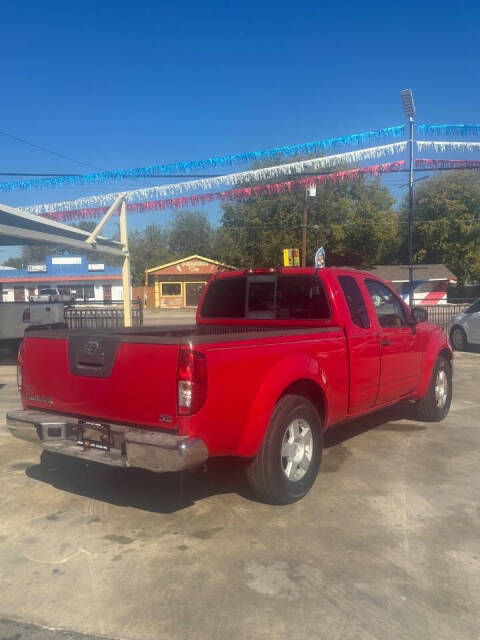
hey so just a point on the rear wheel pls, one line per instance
(435, 405)
(287, 464)
(458, 338)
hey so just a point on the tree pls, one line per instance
(190, 233)
(148, 248)
(446, 229)
(354, 221)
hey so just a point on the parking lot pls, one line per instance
(386, 545)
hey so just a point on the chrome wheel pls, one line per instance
(297, 449)
(441, 388)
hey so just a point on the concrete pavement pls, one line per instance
(386, 545)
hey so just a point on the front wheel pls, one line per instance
(287, 464)
(435, 405)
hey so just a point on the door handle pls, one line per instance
(384, 342)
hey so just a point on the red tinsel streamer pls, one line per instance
(244, 193)
(430, 163)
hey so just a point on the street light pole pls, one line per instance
(410, 219)
(406, 96)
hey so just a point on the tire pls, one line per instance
(435, 405)
(295, 429)
(458, 338)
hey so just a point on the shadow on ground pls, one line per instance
(170, 492)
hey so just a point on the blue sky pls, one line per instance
(124, 84)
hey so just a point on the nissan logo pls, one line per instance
(92, 346)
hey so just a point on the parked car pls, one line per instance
(52, 294)
(465, 328)
(277, 356)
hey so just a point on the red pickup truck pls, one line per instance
(276, 357)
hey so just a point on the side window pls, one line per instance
(389, 310)
(355, 301)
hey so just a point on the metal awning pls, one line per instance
(19, 228)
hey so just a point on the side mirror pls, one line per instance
(420, 314)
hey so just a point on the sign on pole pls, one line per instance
(291, 257)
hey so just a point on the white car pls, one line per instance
(465, 328)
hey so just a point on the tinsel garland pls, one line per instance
(206, 184)
(244, 193)
(449, 129)
(430, 163)
(208, 163)
(441, 146)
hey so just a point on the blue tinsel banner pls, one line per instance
(174, 168)
(449, 129)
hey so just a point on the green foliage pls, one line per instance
(354, 221)
(446, 214)
(190, 233)
(148, 248)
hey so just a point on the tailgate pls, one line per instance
(104, 377)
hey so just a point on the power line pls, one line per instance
(54, 153)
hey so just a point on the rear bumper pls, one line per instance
(130, 446)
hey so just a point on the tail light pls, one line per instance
(26, 315)
(20, 368)
(191, 381)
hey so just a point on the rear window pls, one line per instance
(269, 297)
(225, 298)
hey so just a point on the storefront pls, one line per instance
(73, 276)
(180, 283)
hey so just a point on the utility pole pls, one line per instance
(409, 110)
(310, 190)
(304, 230)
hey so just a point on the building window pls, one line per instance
(171, 288)
(89, 292)
(19, 294)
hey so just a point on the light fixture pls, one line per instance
(408, 105)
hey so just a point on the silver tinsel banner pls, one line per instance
(441, 146)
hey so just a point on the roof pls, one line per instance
(194, 257)
(61, 268)
(421, 272)
(18, 227)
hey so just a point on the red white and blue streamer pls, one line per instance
(461, 130)
(244, 193)
(232, 179)
(434, 163)
(173, 168)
